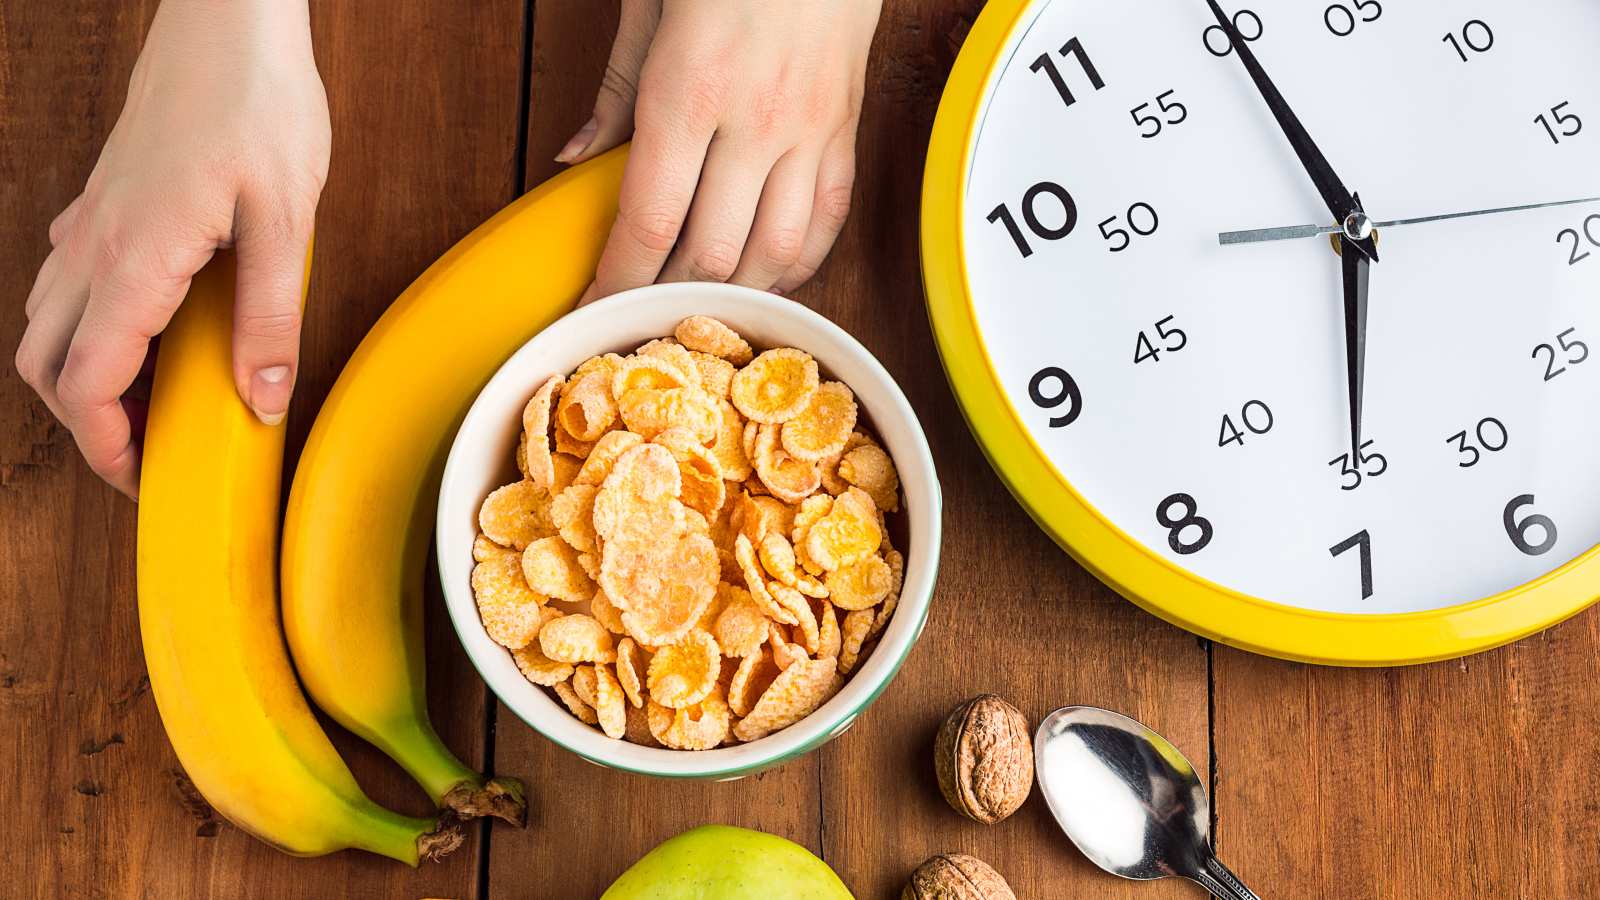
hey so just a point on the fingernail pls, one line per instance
(269, 394)
(580, 141)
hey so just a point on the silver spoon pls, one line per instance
(1128, 799)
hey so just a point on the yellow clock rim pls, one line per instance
(1143, 577)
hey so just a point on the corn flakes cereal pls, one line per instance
(824, 426)
(675, 354)
(597, 465)
(798, 606)
(868, 467)
(897, 570)
(854, 631)
(566, 471)
(847, 534)
(684, 673)
(567, 445)
(510, 610)
(576, 638)
(776, 386)
(586, 408)
(699, 727)
(538, 668)
(741, 627)
(551, 567)
(788, 479)
(583, 684)
(811, 511)
(536, 428)
(860, 585)
(516, 515)
(654, 485)
(638, 728)
(572, 513)
(646, 373)
(484, 549)
(728, 449)
(754, 675)
(784, 651)
(777, 557)
(606, 613)
(610, 706)
(650, 411)
(756, 583)
(660, 604)
(701, 478)
(582, 710)
(628, 664)
(829, 641)
(709, 335)
(793, 695)
(716, 374)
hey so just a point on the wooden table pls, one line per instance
(1462, 779)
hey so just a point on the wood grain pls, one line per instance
(1468, 778)
(92, 784)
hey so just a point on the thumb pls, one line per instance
(270, 246)
(612, 121)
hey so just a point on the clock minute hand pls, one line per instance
(1357, 271)
(1293, 232)
(1338, 198)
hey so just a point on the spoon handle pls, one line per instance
(1222, 883)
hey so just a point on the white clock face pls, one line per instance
(1195, 394)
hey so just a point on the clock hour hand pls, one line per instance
(1338, 198)
(1305, 231)
(1357, 274)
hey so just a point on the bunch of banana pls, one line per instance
(208, 612)
(361, 510)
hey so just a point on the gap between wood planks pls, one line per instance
(491, 703)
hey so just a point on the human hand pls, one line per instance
(743, 120)
(223, 141)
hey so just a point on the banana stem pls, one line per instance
(417, 748)
(404, 838)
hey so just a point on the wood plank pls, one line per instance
(587, 824)
(1468, 778)
(424, 101)
(1013, 614)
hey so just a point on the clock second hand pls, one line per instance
(1294, 232)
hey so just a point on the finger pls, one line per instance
(720, 217)
(49, 270)
(612, 121)
(63, 222)
(658, 184)
(830, 207)
(129, 303)
(43, 349)
(271, 247)
(782, 217)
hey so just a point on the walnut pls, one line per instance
(956, 876)
(984, 759)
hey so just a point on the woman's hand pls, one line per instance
(223, 141)
(743, 119)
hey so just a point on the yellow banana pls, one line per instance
(361, 509)
(208, 612)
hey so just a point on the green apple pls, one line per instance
(720, 862)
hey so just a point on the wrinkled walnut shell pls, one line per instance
(984, 759)
(956, 876)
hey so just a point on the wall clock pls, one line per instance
(1284, 317)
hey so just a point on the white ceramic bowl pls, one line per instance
(481, 459)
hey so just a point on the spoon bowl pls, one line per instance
(1128, 799)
